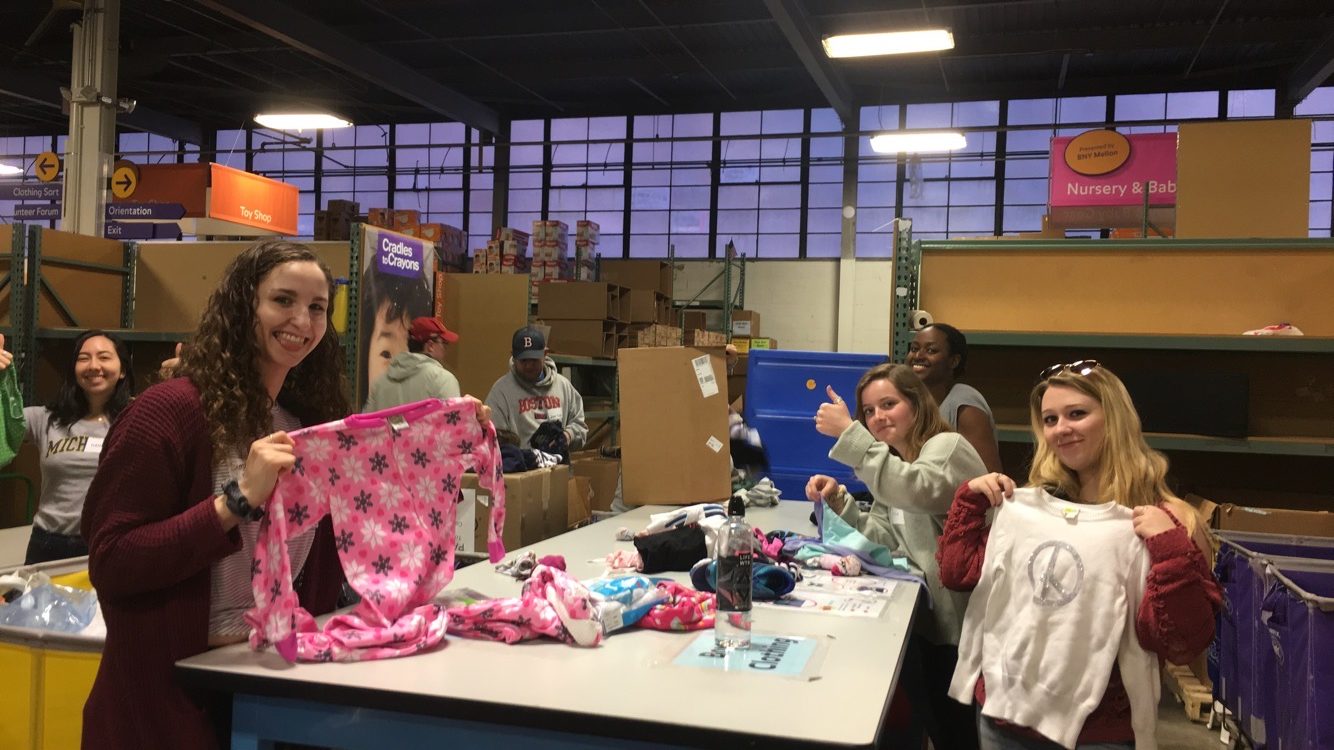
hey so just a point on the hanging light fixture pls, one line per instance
(888, 43)
(924, 142)
(301, 121)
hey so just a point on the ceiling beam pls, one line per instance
(792, 19)
(21, 84)
(1310, 73)
(312, 37)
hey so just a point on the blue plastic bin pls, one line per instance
(783, 391)
(1244, 671)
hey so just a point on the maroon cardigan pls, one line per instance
(153, 536)
(1175, 619)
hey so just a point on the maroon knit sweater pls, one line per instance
(153, 535)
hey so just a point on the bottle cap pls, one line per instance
(736, 507)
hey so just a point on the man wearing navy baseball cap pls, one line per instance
(419, 373)
(532, 393)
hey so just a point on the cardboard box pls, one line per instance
(698, 338)
(745, 323)
(604, 474)
(694, 319)
(380, 217)
(587, 231)
(1229, 517)
(484, 310)
(584, 338)
(744, 344)
(647, 306)
(639, 274)
(676, 455)
(580, 502)
(536, 508)
(584, 300)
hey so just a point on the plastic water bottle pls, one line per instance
(735, 555)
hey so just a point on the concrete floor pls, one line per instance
(1176, 732)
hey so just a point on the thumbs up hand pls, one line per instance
(167, 370)
(833, 417)
(6, 358)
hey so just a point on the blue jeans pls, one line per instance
(991, 736)
(44, 546)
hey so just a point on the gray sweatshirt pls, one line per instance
(520, 406)
(69, 460)
(911, 503)
(411, 377)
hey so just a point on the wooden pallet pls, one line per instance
(1197, 696)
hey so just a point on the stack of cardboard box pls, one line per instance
(587, 236)
(650, 296)
(451, 242)
(551, 255)
(506, 252)
(587, 318)
(746, 332)
(335, 222)
(655, 335)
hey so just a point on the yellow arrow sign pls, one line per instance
(46, 166)
(124, 180)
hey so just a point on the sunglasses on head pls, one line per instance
(1081, 367)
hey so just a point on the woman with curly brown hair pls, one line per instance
(171, 516)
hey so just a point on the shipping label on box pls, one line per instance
(745, 323)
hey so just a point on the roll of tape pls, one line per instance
(920, 319)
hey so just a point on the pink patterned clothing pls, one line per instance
(390, 480)
(683, 609)
(552, 604)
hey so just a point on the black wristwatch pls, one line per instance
(237, 503)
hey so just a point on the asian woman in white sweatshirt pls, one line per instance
(911, 461)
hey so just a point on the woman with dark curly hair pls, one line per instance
(69, 433)
(171, 516)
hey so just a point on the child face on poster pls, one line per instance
(389, 337)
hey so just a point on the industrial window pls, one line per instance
(588, 179)
(525, 192)
(877, 180)
(428, 171)
(1320, 103)
(954, 194)
(824, 201)
(669, 186)
(759, 192)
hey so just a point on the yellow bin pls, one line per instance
(47, 677)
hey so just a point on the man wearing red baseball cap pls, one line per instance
(419, 373)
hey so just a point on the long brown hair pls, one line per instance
(223, 360)
(927, 422)
(1132, 473)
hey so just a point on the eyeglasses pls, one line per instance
(1082, 367)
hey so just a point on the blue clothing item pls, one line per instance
(990, 736)
(768, 583)
(634, 595)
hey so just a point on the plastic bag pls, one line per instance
(47, 606)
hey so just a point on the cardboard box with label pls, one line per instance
(535, 509)
(745, 323)
(674, 439)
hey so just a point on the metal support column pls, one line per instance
(500, 178)
(92, 117)
(847, 247)
(907, 273)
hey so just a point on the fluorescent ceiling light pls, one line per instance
(7, 169)
(888, 43)
(918, 143)
(299, 121)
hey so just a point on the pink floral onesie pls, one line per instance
(390, 479)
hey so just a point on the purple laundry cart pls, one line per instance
(1298, 612)
(1243, 669)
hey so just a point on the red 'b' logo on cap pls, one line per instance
(527, 342)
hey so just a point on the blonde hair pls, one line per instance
(927, 422)
(1131, 473)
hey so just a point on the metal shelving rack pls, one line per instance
(733, 263)
(606, 374)
(907, 296)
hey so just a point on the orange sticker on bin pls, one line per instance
(252, 200)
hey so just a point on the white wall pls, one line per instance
(798, 300)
